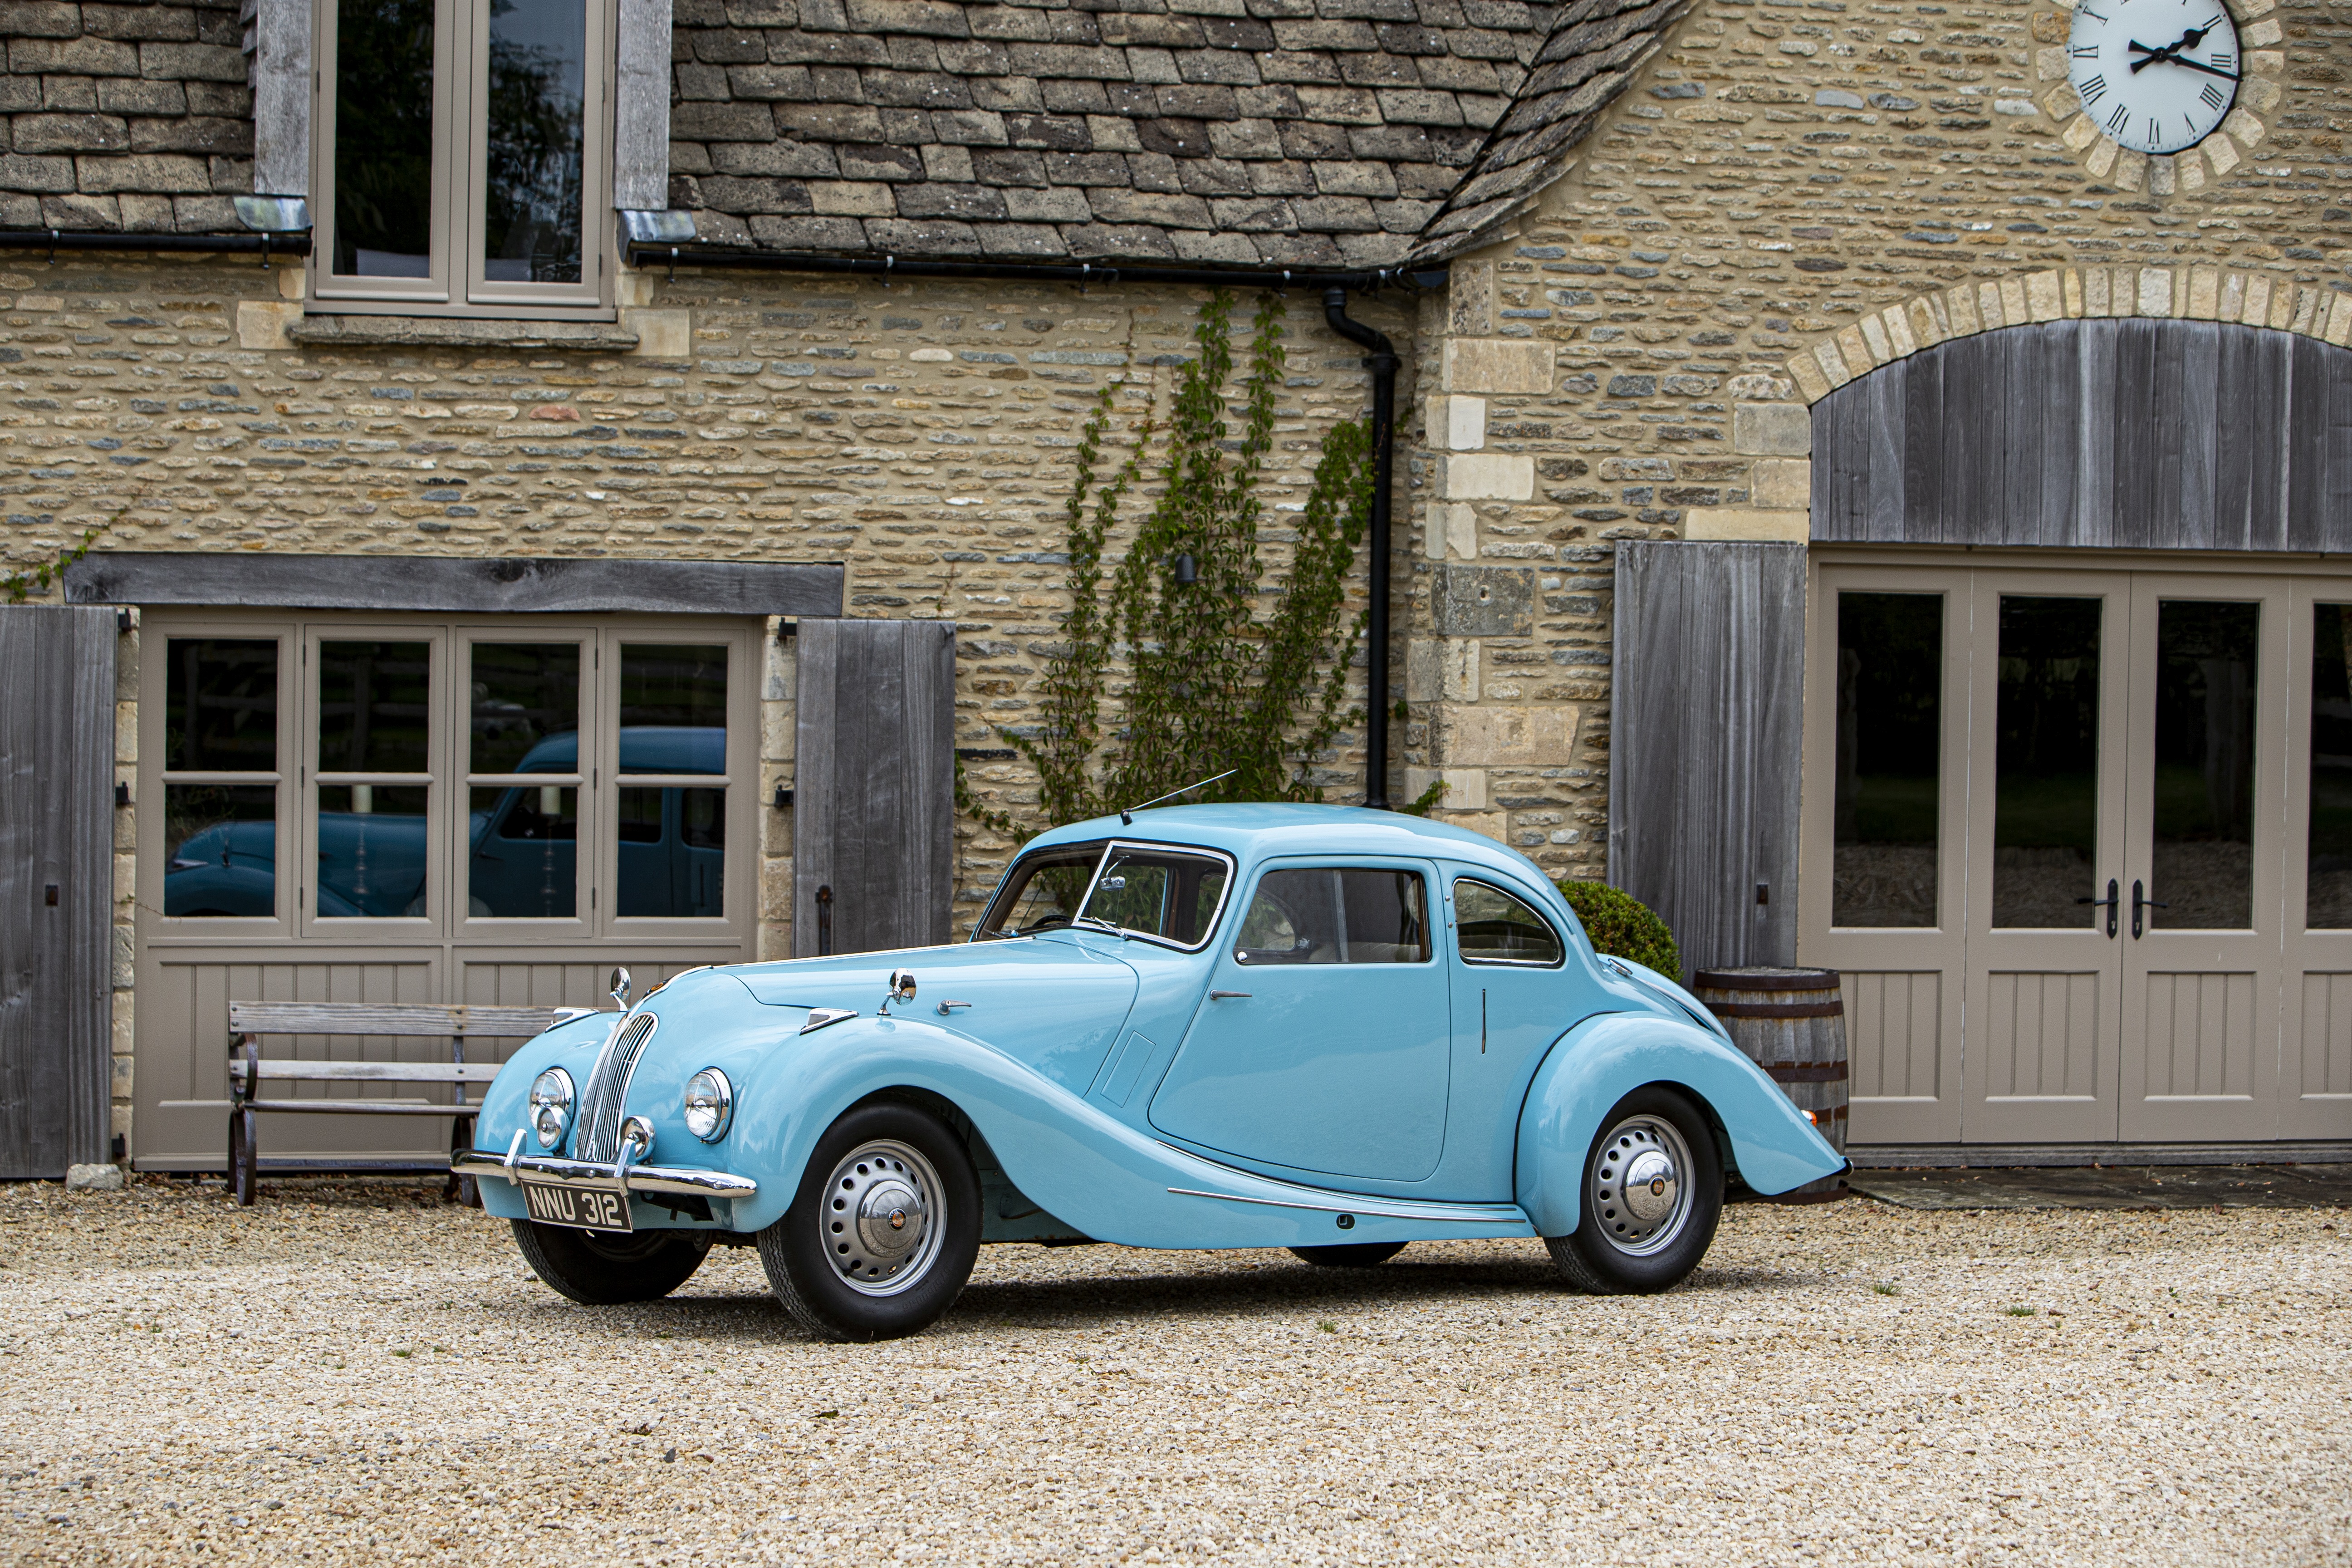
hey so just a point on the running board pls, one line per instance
(1320, 1200)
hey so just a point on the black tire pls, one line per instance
(1609, 1254)
(810, 1253)
(1359, 1254)
(605, 1268)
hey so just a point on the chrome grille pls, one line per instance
(599, 1138)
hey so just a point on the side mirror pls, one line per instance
(621, 988)
(902, 984)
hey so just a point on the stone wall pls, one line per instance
(918, 433)
(124, 117)
(1793, 194)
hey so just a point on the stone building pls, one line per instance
(1853, 489)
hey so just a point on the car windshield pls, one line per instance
(1142, 890)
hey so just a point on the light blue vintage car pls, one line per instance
(1323, 1029)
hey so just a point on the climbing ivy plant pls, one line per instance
(1158, 682)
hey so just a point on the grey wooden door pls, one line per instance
(56, 885)
(874, 789)
(1707, 743)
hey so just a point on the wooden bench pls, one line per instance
(250, 1022)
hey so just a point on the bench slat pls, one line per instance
(388, 1018)
(386, 1072)
(364, 1107)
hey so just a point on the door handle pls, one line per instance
(1221, 996)
(2140, 901)
(2109, 904)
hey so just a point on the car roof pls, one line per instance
(1262, 830)
(645, 749)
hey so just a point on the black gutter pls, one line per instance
(54, 240)
(1083, 272)
(1382, 363)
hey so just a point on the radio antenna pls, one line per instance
(1127, 813)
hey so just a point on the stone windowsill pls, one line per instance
(440, 331)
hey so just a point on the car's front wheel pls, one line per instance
(604, 1268)
(883, 1231)
(1653, 1193)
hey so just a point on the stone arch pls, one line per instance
(2139, 432)
(2244, 296)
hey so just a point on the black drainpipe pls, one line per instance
(1382, 363)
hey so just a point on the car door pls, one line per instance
(1323, 1044)
(1510, 990)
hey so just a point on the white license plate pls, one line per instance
(588, 1208)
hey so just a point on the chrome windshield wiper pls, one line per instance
(1101, 924)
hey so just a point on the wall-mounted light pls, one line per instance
(1186, 570)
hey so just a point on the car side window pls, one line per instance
(1336, 915)
(1495, 927)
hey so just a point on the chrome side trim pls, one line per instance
(820, 1017)
(610, 1177)
(1374, 1207)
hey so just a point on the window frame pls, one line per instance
(456, 286)
(1454, 899)
(447, 921)
(1431, 880)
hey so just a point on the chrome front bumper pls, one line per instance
(482, 1165)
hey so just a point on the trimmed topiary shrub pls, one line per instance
(1624, 926)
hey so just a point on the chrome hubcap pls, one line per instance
(1640, 1185)
(879, 1219)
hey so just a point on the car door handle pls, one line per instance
(1221, 996)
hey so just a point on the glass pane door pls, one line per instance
(2202, 900)
(2316, 1011)
(2050, 682)
(374, 783)
(523, 777)
(670, 810)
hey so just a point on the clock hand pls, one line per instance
(2201, 66)
(2187, 40)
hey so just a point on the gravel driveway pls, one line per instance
(355, 1373)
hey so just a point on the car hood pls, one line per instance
(1056, 1003)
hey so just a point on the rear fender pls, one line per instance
(1773, 1147)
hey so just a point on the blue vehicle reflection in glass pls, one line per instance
(522, 856)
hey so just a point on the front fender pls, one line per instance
(1773, 1147)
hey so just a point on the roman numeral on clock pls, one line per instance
(2225, 62)
(2086, 11)
(2084, 51)
(2214, 97)
(2118, 120)
(2091, 90)
(2154, 131)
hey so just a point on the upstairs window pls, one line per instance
(464, 156)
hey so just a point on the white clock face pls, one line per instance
(2156, 75)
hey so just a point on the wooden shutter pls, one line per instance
(1706, 744)
(874, 786)
(56, 843)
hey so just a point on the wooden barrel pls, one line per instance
(1792, 1022)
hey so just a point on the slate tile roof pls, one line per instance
(1248, 133)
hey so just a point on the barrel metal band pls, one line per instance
(1778, 1009)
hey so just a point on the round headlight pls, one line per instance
(551, 1106)
(709, 1104)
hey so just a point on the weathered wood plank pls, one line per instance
(874, 793)
(458, 1019)
(56, 832)
(1705, 743)
(269, 1068)
(641, 89)
(2134, 432)
(281, 97)
(458, 585)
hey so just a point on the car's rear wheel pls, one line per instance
(1360, 1254)
(883, 1233)
(1652, 1195)
(605, 1268)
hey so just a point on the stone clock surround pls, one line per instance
(2199, 169)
